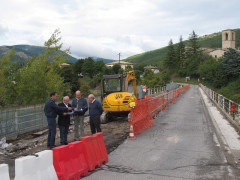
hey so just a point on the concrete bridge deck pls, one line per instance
(182, 144)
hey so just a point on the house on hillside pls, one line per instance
(153, 68)
(228, 41)
(64, 64)
(123, 64)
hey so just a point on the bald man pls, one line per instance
(95, 111)
(80, 106)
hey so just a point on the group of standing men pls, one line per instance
(79, 106)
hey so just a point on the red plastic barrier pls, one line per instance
(101, 147)
(78, 158)
(62, 162)
(97, 152)
(90, 154)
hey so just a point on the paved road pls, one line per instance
(181, 145)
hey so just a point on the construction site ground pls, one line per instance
(114, 133)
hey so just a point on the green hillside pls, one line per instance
(149, 57)
(25, 52)
(154, 57)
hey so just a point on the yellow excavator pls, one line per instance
(115, 96)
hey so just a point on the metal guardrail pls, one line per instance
(224, 104)
(157, 90)
(14, 121)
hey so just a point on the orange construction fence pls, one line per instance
(141, 116)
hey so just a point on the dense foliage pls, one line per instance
(220, 74)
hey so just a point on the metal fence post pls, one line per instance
(223, 103)
(42, 114)
(229, 108)
(16, 120)
(239, 114)
(219, 100)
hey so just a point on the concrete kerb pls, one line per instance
(232, 159)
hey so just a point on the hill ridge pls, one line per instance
(24, 52)
(154, 57)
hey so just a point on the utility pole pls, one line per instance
(119, 54)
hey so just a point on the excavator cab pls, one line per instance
(111, 84)
(115, 96)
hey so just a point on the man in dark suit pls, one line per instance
(64, 121)
(51, 110)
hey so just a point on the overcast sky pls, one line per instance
(105, 28)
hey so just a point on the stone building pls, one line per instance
(123, 64)
(228, 41)
(153, 68)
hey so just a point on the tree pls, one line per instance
(155, 80)
(180, 53)
(148, 77)
(77, 67)
(5, 79)
(70, 78)
(116, 68)
(88, 67)
(194, 47)
(98, 67)
(170, 58)
(139, 69)
(192, 64)
(231, 63)
(39, 76)
(220, 79)
(207, 69)
(128, 68)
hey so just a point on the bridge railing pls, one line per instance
(156, 90)
(224, 104)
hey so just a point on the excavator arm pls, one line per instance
(130, 76)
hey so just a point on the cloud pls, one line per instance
(3, 30)
(104, 28)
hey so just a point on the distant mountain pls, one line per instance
(25, 52)
(154, 57)
(102, 59)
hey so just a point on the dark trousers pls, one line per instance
(51, 131)
(95, 124)
(63, 133)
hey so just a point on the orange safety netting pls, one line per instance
(141, 116)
